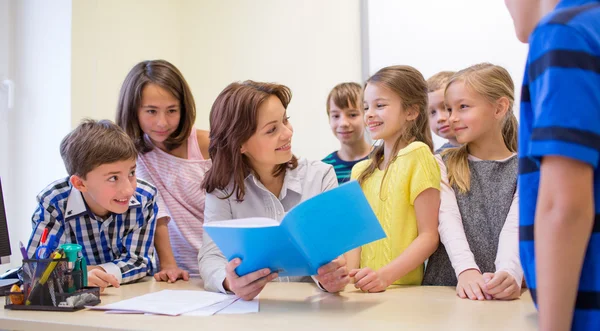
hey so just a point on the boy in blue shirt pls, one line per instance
(346, 119)
(559, 152)
(101, 205)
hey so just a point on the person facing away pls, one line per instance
(346, 119)
(255, 174)
(101, 206)
(438, 112)
(478, 216)
(157, 110)
(401, 181)
(559, 177)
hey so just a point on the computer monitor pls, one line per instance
(4, 241)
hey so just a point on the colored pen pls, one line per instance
(51, 244)
(25, 264)
(44, 236)
(23, 251)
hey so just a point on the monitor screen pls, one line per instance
(4, 242)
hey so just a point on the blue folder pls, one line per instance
(311, 234)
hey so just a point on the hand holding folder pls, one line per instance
(312, 234)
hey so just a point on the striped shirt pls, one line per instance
(121, 244)
(342, 168)
(560, 116)
(180, 198)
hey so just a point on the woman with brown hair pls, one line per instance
(255, 174)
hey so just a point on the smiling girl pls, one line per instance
(157, 110)
(479, 225)
(401, 180)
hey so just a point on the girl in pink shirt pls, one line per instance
(156, 109)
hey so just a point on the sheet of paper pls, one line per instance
(128, 312)
(234, 305)
(167, 302)
(241, 307)
(214, 309)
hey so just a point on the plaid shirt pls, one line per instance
(122, 244)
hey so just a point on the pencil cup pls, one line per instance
(50, 284)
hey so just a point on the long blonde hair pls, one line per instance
(408, 83)
(492, 82)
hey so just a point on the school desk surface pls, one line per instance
(300, 306)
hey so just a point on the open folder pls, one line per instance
(311, 234)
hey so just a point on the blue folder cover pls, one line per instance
(311, 234)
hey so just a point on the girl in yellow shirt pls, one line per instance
(401, 180)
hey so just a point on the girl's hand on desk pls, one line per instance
(471, 285)
(368, 280)
(171, 274)
(334, 275)
(502, 285)
(100, 278)
(248, 286)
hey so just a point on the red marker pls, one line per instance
(44, 236)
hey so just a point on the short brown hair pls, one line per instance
(233, 120)
(94, 143)
(168, 77)
(439, 81)
(345, 95)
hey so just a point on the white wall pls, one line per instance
(109, 38)
(436, 35)
(5, 73)
(41, 63)
(308, 45)
(5, 33)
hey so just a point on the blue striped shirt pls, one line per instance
(560, 116)
(122, 244)
(342, 168)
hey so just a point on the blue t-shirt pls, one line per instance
(560, 116)
(342, 168)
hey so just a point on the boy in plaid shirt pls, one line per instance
(101, 205)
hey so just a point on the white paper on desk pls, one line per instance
(167, 302)
(241, 307)
(211, 310)
(129, 312)
(231, 306)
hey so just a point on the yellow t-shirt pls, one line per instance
(413, 171)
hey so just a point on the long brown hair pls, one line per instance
(233, 120)
(168, 77)
(492, 82)
(408, 83)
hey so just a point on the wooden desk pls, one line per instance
(300, 306)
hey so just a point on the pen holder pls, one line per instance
(52, 284)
